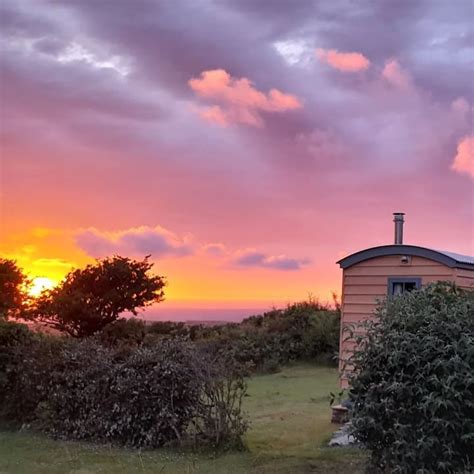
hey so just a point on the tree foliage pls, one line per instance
(13, 284)
(413, 390)
(89, 299)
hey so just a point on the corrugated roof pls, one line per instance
(458, 257)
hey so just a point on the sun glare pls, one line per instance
(41, 284)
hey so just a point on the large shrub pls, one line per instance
(128, 332)
(26, 359)
(11, 335)
(146, 398)
(413, 389)
(140, 397)
(301, 331)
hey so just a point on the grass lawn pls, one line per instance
(289, 415)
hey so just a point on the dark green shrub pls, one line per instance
(303, 331)
(270, 366)
(249, 351)
(147, 399)
(140, 397)
(413, 391)
(26, 359)
(12, 334)
(168, 329)
(130, 332)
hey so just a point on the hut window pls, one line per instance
(397, 286)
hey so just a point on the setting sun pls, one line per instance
(41, 284)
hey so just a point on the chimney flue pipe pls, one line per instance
(398, 219)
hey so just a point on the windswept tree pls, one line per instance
(13, 289)
(90, 298)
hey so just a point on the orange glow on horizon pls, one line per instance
(198, 281)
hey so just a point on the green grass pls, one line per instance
(290, 410)
(289, 415)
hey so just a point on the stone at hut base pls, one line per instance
(342, 437)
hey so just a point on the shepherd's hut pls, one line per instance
(390, 270)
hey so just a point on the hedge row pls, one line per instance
(140, 397)
(302, 331)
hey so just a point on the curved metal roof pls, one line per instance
(449, 259)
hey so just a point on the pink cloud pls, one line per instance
(137, 241)
(464, 159)
(239, 101)
(345, 62)
(214, 114)
(396, 75)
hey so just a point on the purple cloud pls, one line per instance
(215, 249)
(140, 241)
(253, 258)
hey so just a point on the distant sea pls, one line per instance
(201, 315)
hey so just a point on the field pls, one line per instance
(289, 415)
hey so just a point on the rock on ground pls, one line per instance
(342, 437)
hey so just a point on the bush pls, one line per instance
(141, 397)
(26, 359)
(11, 335)
(147, 399)
(302, 331)
(168, 329)
(129, 332)
(220, 422)
(413, 390)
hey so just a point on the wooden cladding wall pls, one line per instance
(366, 282)
(464, 278)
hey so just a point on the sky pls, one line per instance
(247, 145)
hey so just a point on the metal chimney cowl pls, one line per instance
(398, 219)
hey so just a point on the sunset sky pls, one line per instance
(246, 144)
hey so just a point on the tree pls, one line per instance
(413, 392)
(13, 285)
(90, 298)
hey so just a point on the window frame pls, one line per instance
(393, 280)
